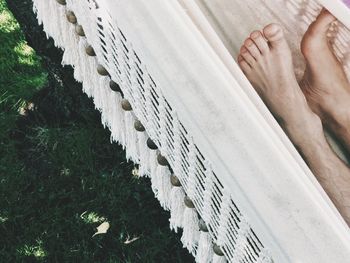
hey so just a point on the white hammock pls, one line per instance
(174, 63)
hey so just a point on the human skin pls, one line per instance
(325, 84)
(266, 60)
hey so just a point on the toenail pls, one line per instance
(272, 30)
(244, 50)
(255, 34)
(325, 11)
(248, 42)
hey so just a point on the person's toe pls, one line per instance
(322, 23)
(243, 64)
(275, 36)
(260, 41)
(247, 56)
(315, 38)
(252, 48)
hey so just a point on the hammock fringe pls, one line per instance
(162, 182)
(191, 233)
(177, 208)
(205, 248)
(121, 124)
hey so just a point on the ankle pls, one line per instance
(339, 121)
(304, 130)
(337, 115)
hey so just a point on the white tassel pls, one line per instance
(37, 9)
(47, 16)
(219, 259)
(67, 58)
(103, 93)
(89, 76)
(205, 248)
(107, 105)
(46, 5)
(117, 119)
(88, 85)
(131, 140)
(50, 11)
(96, 92)
(65, 27)
(177, 208)
(77, 73)
(79, 60)
(71, 53)
(57, 32)
(144, 152)
(190, 235)
(52, 22)
(153, 164)
(163, 185)
(84, 60)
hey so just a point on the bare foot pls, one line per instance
(266, 60)
(325, 84)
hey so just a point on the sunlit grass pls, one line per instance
(3, 219)
(20, 68)
(25, 54)
(92, 218)
(36, 250)
(7, 23)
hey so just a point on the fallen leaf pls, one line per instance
(102, 229)
(129, 241)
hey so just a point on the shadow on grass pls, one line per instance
(60, 177)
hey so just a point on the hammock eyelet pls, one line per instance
(151, 144)
(71, 17)
(188, 202)
(162, 160)
(61, 2)
(217, 250)
(126, 105)
(114, 86)
(102, 70)
(138, 126)
(175, 181)
(90, 51)
(79, 30)
(202, 226)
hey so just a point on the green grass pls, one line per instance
(21, 75)
(60, 177)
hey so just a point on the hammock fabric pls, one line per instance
(163, 76)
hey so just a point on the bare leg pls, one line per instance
(268, 65)
(325, 84)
